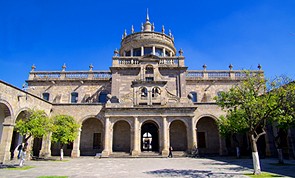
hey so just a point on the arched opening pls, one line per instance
(17, 139)
(178, 136)
(121, 137)
(143, 92)
(207, 136)
(91, 137)
(4, 113)
(149, 137)
(149, 69)
(156, 92)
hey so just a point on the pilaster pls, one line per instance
(6, 138)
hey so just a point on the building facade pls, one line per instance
(146, 102)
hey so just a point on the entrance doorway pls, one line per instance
(149, 137)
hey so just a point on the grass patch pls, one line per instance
(52, 177)
(263, 174)
(20, 168)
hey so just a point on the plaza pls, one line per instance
(148, 167)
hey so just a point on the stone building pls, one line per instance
(147, 101)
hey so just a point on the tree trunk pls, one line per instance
(61, 154)
(255, 156)
(238, 152)
(280, 156)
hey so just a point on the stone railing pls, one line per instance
(176, 61)
(70, 75)
(219, 74)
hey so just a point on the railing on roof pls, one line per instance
(70, 75)
(134, 61)
(219, 74)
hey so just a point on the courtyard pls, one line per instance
(147, 167)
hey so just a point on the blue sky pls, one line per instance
(83, 32)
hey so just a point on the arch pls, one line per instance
(121, 136)
(143, 92)
(149, 69)
(5, 113)
(16, 137)
(91, 139)
(156, 91)
(178, 135)
(207, 135)
(150, 136)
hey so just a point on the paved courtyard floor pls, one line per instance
(147, 167)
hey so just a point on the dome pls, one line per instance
(147, 42)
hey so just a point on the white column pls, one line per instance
(131, 52)
(142, 51)
(106, 151)
(164, 52)
(154, 50)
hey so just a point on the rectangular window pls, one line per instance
(137, 52)
(149, 79)
(127, 53)
(148, 50)
(201, 140)
(45, 96)
(74, 97)
(96, 140)
(159, 52)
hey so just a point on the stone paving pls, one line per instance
(147, 167)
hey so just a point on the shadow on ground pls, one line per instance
(267, 165)
(185, 173)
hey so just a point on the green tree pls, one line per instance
(35, 124)
(249, 107)
(65, 130)
(286, 118)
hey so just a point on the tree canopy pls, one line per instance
(250, 105)
(35, 123)
(65, 129)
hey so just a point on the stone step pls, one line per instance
(146, 154)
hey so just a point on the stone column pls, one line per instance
(192, 142)
(45, 151)
(5, 144)
(106, 151)
(76, 145)
(165, 150)
(136, 142)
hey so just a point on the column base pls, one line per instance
(45, 154)
(165, 153)
(134, 153)
(105, 154)
(75, 154)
